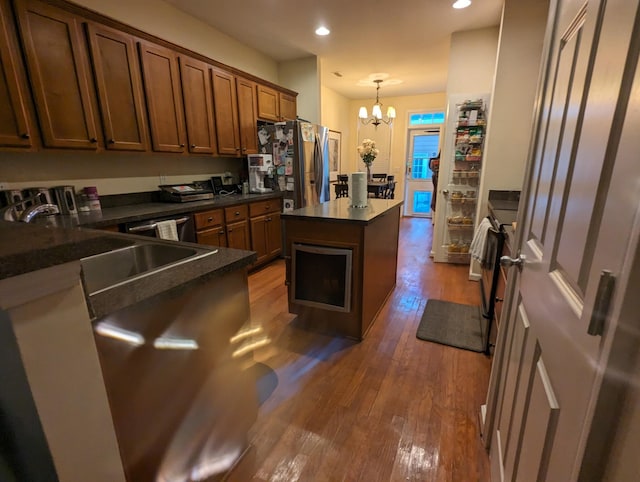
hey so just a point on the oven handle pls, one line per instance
(149, 227)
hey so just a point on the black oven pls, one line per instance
(490, 273)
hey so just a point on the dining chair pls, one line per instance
(342, 186)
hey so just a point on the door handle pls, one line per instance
(507, 262)
(602, 303)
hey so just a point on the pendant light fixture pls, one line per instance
(376, 118)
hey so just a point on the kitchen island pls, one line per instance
(118, 375)
(341, 263)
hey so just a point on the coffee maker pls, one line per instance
(260, 172)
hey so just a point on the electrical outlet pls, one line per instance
(163, 179)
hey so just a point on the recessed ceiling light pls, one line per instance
(461, 4)
(322, 31)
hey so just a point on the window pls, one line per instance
(425, 146)
(426, 118)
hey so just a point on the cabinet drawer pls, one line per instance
(235, 213)
(207, 219)
(263, 207)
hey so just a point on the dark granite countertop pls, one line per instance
(139, 212)
(340, 210)
(26, 248)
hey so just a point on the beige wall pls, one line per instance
(303, 76)
(472, 61)
(335, 115)
(514, 94)
(167, 22)
(111, 173)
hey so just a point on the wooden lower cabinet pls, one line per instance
(238, 235)
(253, 227)
(266, 229)
(210, 228)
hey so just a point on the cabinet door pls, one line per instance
(213, 237)
(247, 116)
(226, 112)
(288, 107)
(238, 235)
(162, 88)
(274, 234)
(198, 105)
(57, 67)
(117, 77)
(268, 108)
(15, 129)
(259, 237)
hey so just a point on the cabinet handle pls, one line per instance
(25, 135)
(209, 219)
(499, 300)
(112, 141)
(93, 140)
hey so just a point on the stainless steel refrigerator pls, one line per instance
(293, 158)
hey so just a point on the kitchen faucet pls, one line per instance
(9, 212)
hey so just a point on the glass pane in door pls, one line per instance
(424, 144)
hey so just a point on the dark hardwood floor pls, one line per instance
(390, 408)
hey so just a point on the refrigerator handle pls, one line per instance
(317, 167)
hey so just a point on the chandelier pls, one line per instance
(376, 117)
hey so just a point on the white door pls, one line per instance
(423, 145)
(578, 221)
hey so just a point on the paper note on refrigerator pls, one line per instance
(306, 131)
(288, 166)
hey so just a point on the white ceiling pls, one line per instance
(407, 40)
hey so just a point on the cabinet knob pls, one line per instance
(230, 230)
(244, 149)
(209, 219)
(112, 141)
(93, 140)
(25, 135)
(445, 191)
(193, 146)
(237, 213)
(237, 148)
(221, 231)
(268, 219)
(181, 145)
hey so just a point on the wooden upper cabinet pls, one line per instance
(268, 104)
(247, 116)
(288, 106)
(226, 112)
(161, 79)
(198, 106)
(15, 129)
(57, 66)
(117, 78)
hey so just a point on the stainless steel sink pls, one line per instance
(121, 265)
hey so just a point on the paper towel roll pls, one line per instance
(358, 189)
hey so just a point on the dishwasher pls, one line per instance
(184, 225)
